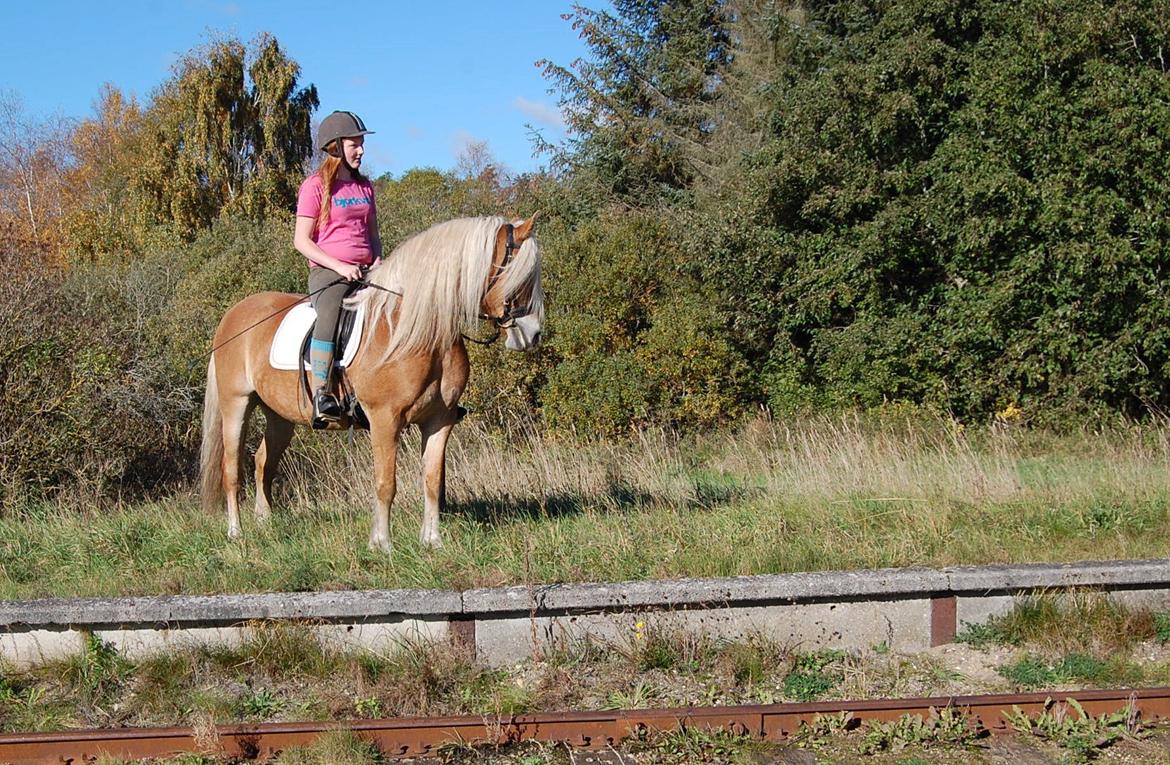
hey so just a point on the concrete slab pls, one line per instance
(224, 610)
(1155, 600)
(22, 650)
(987, 579)
(715, 592)
(902, 625)
(978, 610)
(850, 609)
(382, 638)
(141, 643)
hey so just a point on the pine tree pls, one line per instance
(639, 109)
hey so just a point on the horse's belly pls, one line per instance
(283, 391)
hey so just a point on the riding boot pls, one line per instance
(326, 407)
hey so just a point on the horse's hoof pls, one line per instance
(432, 541)
(380, 545)
(234, 533)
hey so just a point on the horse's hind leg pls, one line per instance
(235, 414)
(278, 433)
(434, 435)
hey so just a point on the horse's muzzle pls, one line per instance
(524, 334)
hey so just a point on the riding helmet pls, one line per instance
(340, 125)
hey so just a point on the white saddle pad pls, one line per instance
(290, 337)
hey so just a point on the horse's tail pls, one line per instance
(211, 453)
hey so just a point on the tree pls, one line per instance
(101, 211)
(231, 130)
(638, 110)
(31, 166)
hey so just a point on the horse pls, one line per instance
(410, 369)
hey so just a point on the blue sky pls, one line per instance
(428, 76)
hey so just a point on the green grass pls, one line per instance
(1085, 621)
(768, 497)
(1034, 672)
(814, 675)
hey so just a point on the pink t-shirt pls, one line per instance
(347, 234)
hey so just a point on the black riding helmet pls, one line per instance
(340, 125)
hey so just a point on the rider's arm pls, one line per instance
(303, 241)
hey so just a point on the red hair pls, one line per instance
(328, 174)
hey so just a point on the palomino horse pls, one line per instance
(411, 366)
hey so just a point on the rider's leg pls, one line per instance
(327, 302)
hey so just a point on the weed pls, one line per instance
(283, 648)
(30, 710)
(339, 747)
(980, 635)
(694, 745)
(658, 646)
(1162, 627)
(96, 671)
(1034, 672)
(370, 707)
(640, 696)
(825, 727)
(526, 753)
(259, 705)
(750, 662)
(1083, 735)
(946, 726)
(1074, 621)
(814, 675)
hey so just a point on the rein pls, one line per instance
(363, 282)
(505, 321)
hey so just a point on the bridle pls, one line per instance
(511, 313)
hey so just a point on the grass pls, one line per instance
(767, 497)
(1074, 638)
(1034, 672)
(814, 675)
(282, 673)
(1077, 621)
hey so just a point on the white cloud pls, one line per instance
(540, 112)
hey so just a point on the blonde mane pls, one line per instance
(441, 273)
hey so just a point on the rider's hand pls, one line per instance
(349, 271)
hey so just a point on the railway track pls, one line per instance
(413, 737)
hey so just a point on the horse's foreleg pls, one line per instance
(278, 433)
(235, 414)
(434, 434)
(384, 432)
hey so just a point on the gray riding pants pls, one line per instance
(327, 302)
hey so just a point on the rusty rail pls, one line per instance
(581, 730)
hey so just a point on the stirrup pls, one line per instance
(326, 409)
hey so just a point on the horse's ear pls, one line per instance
(524, 230)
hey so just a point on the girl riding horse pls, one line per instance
(337, 230)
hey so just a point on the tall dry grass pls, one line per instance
(526, 506)
(819, 460)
